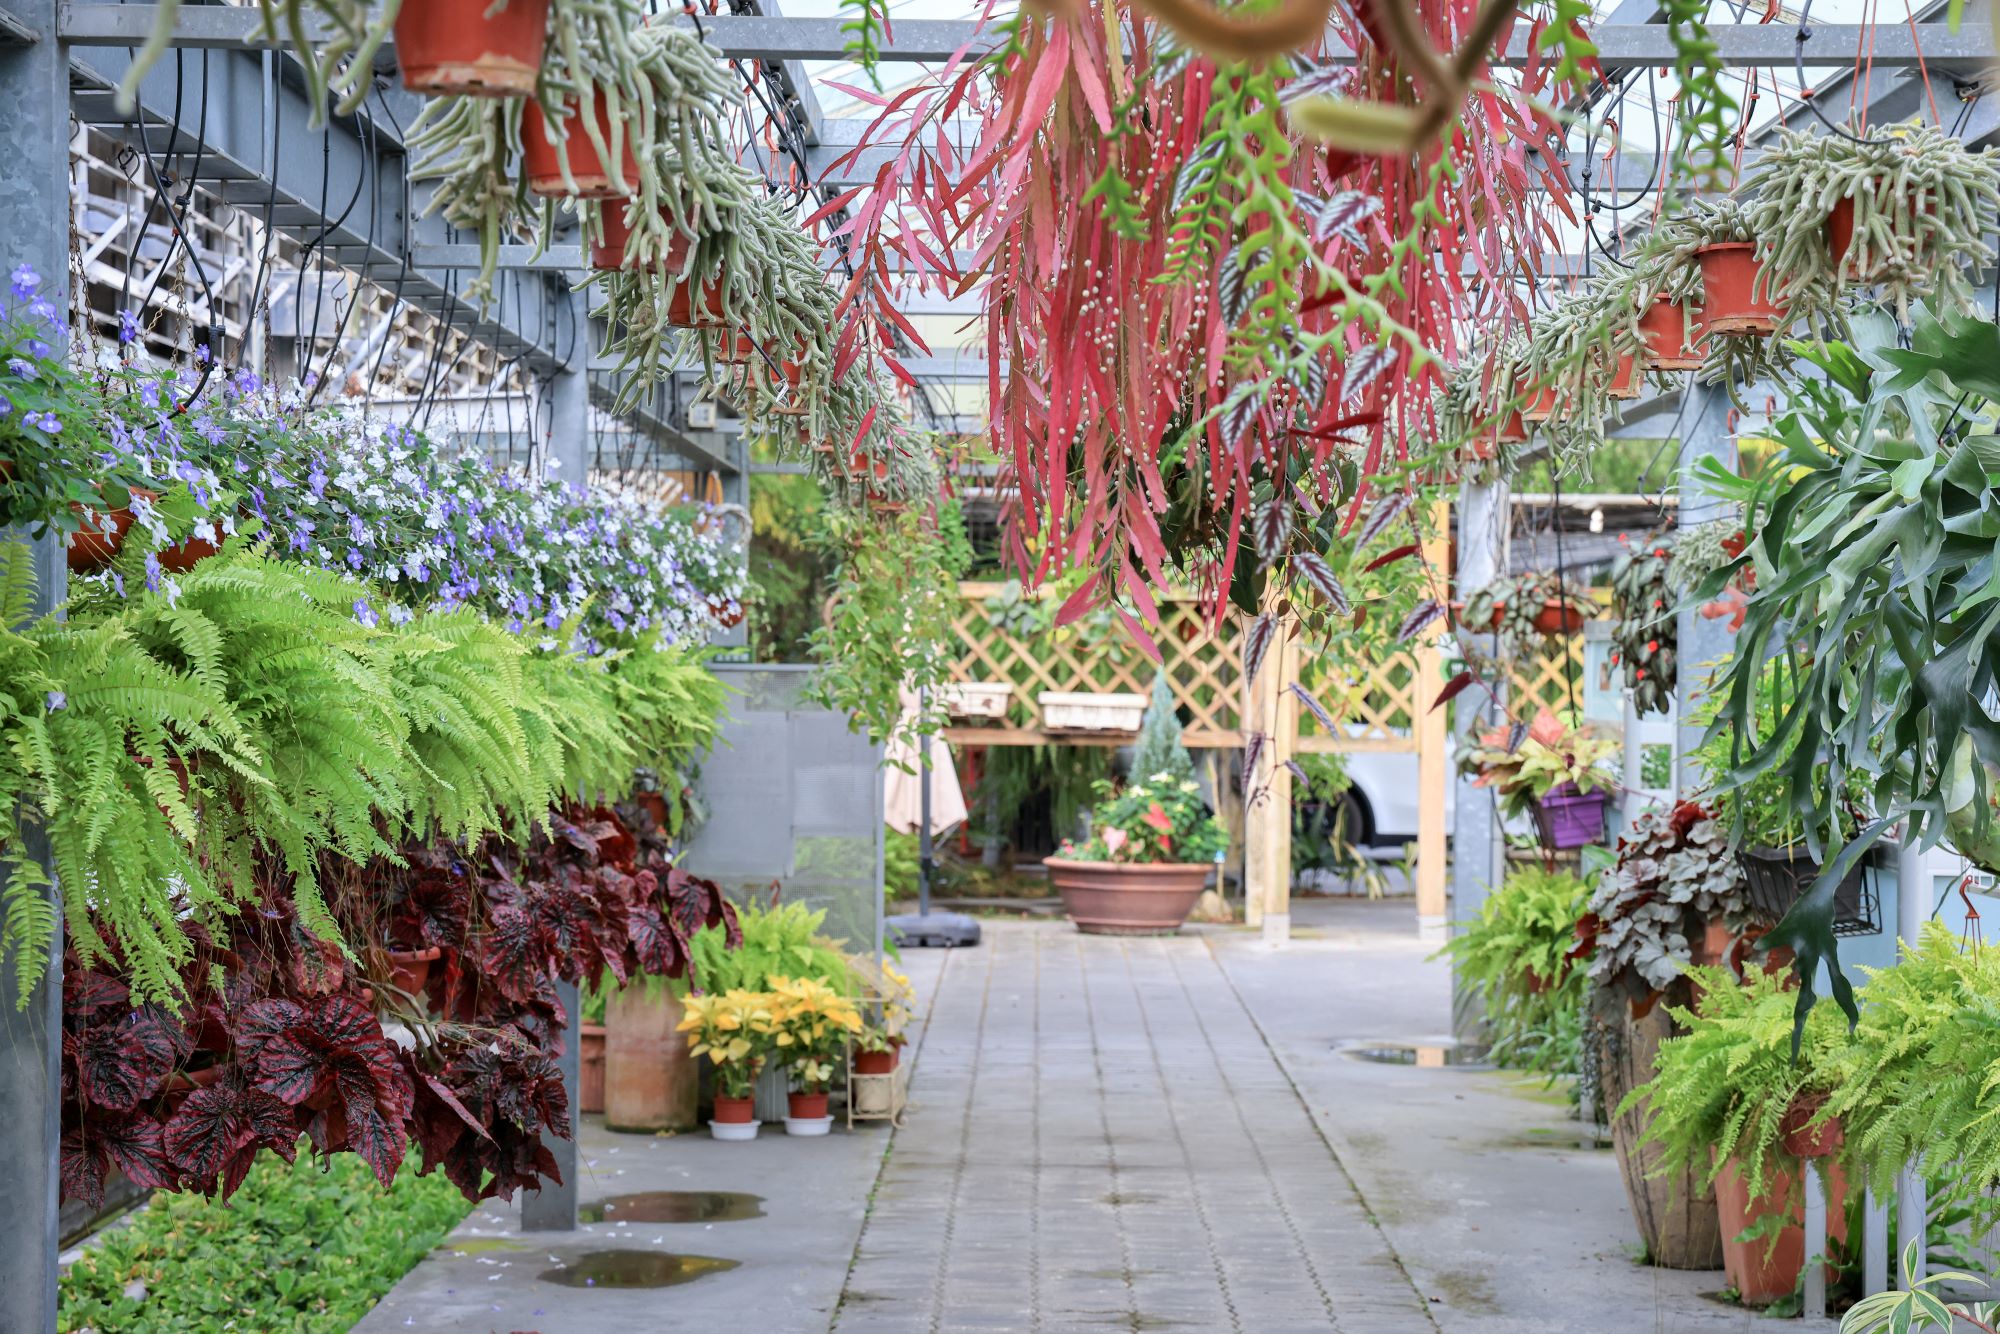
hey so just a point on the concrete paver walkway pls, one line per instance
(1102, 1140)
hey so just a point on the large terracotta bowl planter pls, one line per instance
(1121, 899)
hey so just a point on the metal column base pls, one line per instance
(934, 930)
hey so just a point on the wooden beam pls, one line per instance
(1271, 709)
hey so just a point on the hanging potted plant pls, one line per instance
(1707, 259)
(1528, 607)
(1778, 863)
(1670, 901)
(1730, 1105)
(1585, 352)
(734, 1029)
(1151, 849)
(1904, 210)
(1670, 329)
(1558, 773)
(811, 1025)
(1644, 631)
(471, 47)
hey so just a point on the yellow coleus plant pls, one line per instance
(811, 1023)
(734, 1029)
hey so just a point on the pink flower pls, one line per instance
(1114, 839)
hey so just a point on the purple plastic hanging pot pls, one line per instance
(1568, 818)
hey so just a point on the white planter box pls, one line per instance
(976, 699)
(1065, 711)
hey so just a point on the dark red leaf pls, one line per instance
(1403, 552)
(1453, 688)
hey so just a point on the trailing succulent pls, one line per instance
(1674, 874)
(283, 1034)
(1919, 201)
(1576, 348)
(1645, 637)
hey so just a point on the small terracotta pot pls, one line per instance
(655, 806)
(1540, 406)
(410, 969)
(1802, 1139)
(876, 1062)
(1556, 618)
(541, 157)
(1626, 380)
(1736, 298)
(738, 349)
(1665, 328)
(1840, 235)
(450, 47)
(737, 1111)
(805, 1106)
(90, 547)
(724, 615)
(590, 1067)
(1539, 985)
(184, 556)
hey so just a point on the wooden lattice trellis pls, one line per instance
(1006, 638)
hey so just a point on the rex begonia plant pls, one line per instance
(1523, 765)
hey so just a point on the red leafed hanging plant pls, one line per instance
(1205, 331)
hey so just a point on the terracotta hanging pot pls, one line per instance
(448, 47)
(91, 547)
(1627, 381)
(726, 612)
(1540, 406)
(1840, 236)
(184, 556)
(541, 158)
(1805, 1139)
(737, 349)
(1558, 618)
(1736, 296)
(1664, 326)
(702, 311)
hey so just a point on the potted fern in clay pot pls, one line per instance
(1150, 851)
(1905, 210)
(1731, 1106)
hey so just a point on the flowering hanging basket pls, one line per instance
(1736, 296)
(470, 48)
(96, 543)
(542, 157)
(184, 556)
(1664, 326)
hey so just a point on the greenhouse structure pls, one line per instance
(1276, 665)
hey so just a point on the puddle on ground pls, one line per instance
(634, 1269)
(1423, 1055)
(674, 1206)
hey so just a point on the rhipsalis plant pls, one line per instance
(1916, 200)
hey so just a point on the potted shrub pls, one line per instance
(1558, 773)
(1903, 210)
(1672, 899)
(735, 1030)
(1150, 851)
(1779, 864)
(811, 1024)
(1731, 1105)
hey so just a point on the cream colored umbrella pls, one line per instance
(903, 778)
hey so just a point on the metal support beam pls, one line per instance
(1704, 435)
(1476, 861)
(34, 217)
(1968, 51)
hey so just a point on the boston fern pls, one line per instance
(1872, 541)
(1515, 954)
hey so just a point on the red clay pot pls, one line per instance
(1626, 381)
(719, 609)
(876, 1062)
(804, 1106)
(737, 349)
(1665, 330)
(1805, 1140)
(184, 556)
(90, 547)
(541, 158)
(683, 311)
(741, 1111)
(590, 1067)
(1540, 406)
(1840, 235)
(1127, 899)
(455, 46)
(1735, 294)
(1763, 1271)
(1557, 619)
(410, 969)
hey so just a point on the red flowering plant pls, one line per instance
(1158, 819)
(284, 1034)
(1645, 642)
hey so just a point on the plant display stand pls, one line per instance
(877, 1097)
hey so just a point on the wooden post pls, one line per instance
(1271, 709)
(1433, 743)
